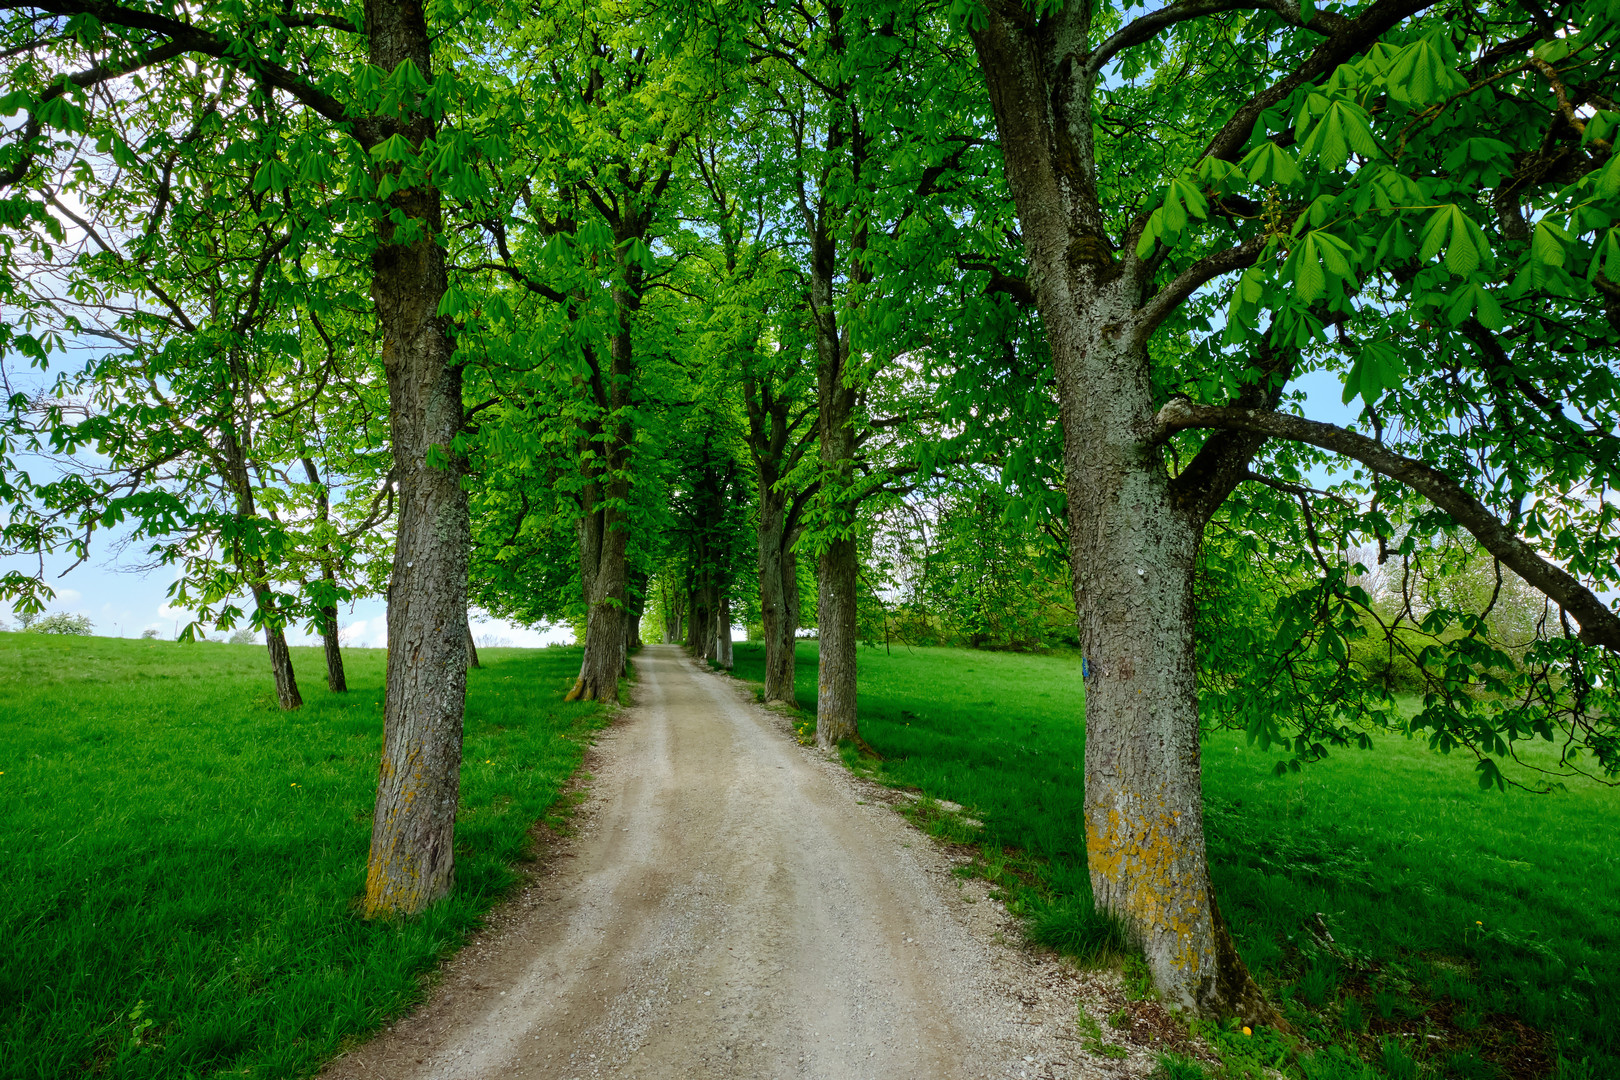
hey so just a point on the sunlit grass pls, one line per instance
(181, 860)
(1471, 914)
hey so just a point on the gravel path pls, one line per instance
(736, 905)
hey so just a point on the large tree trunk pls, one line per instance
(608, 579)
(604, 660)
(412, 836)
(836, 571)
(700, 635)
(1132, 548)
(783, 674)
(778, 590)
(234, 447)
(275, 641)
(722, 647)
(636, 607)
(337, 680)
(836, 568)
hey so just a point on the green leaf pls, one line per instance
(394, 148)
(1420, 75)
(272, 176)
(1475, 299)
(1465, 245)
(1606, 256)
(1378, 365)
(1215, 171)
(1343, 128)
(60, 113)
(1608, 181)
(1309, 281)
(1269, 164)
(1150, 234)
(1547, 243)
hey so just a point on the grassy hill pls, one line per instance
(181, 860)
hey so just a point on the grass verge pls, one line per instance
(183, 860)
(1409, 923)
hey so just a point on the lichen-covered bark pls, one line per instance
(411, 863)
(1132, 547)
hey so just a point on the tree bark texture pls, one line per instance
(336, 679)
(837, 567)
(1132, 548)
(607, 579)
(234, 451)
(603, 540)
(776, 531)
(637, 607)
(411, 863)
(722, 644)
(708, 622)
(779, 611)
(275, 641)
(836, 573)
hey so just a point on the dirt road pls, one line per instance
(736, 905)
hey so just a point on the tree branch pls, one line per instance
(1599, 625)
(1141, 30)
(184, 37)
(1184, 284)
(1351, 37)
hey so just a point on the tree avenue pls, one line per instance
(665, 304)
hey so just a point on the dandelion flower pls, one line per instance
(1246, 1030)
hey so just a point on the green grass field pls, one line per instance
(180, 861)
(1476, 933)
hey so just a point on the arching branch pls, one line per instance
(1599, 625)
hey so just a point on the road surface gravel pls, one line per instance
(735, 905)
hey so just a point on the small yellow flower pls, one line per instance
(1478, 923)
(1246, 1030)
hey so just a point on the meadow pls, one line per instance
(1474, 934)
(180, 861)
